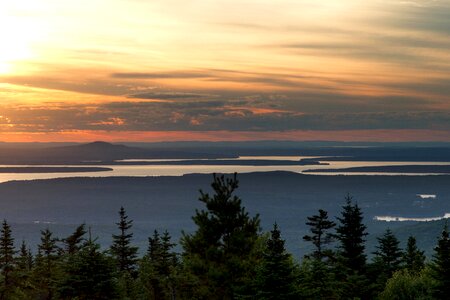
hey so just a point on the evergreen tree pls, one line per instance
(89, 275)
(154, 246)
(386, 261)
(317, 274)
(46, 271)
(24, 263)
(320, 237)
(317, 280)
(158, 268)
(350, 233)
(7, 261)
(276, 278)
(25, 259)
(413, 258)
(122, 250)
(73, 243)
(219, 255)
(352, 260)
(441, 266)
(168, 257)
(388, 254)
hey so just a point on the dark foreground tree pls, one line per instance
(158, 269)
(47, 269)
(24, 266)
(413, 258)
(25, 259)
(122, 250)
(74, 242)
(387, 259)
(89, 275)
(351, 234)
(388, 254)
(318, 281)
(7, 261)
(218, 256)
(441, 266)
(320, 235)
(276, 279)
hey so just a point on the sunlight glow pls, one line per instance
(18, 34)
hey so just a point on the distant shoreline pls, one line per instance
(22, 170)
(436, 169)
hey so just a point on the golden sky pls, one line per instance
(233, 70)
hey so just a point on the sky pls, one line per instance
(167, 70)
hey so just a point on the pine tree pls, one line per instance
(168, 257)
(7, 261)
(275, 279)
(320, 237)
(350, 233)
(23, 261)
(352, 260)
(154, 246)
(158, 267)
(89, 274)
(413, 258)
(24, 264)
(122, 250)
(318, 277)
(386, 261)
(219, 254)
(73, 243)
(317, 280)
(388, 254)
(441, 266)
(46, 271)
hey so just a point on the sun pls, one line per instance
(18, 33)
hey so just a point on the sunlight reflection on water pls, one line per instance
(179, 170)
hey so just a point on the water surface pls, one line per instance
(179, 170)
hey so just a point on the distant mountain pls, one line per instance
(96, 152)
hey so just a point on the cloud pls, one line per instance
(171, 95)
(210, 115)
(161, 75)
(430, 16)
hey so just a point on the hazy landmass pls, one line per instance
(437, 169)
(101, 152)
(91, 153)
(52, 169)
(225, 162)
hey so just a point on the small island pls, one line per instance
(53, 169)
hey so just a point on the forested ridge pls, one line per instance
(226, 257)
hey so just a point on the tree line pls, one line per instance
(226, 257)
